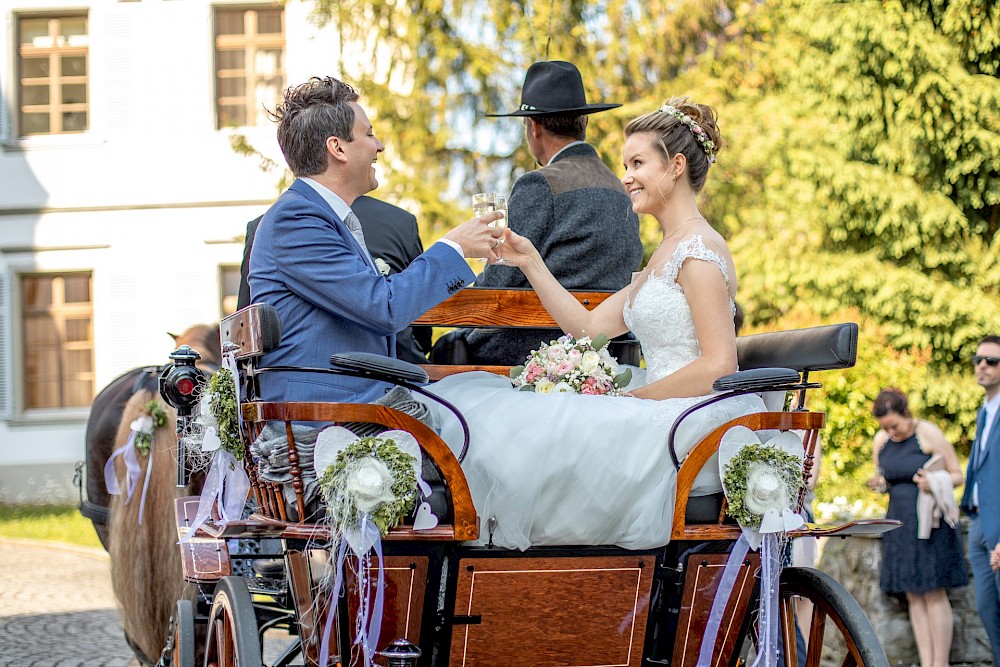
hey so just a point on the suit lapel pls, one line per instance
(310, 193)
(992, 443)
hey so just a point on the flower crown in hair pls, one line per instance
(707, 144)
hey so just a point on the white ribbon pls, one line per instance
(369, 620)
(227, 483)
(130, 455)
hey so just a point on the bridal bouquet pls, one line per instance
(572, 366)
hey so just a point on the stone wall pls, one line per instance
(855, 562)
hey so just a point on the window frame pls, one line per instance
(61, 312)
(250, 41)
(54, 108)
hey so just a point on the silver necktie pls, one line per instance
(354, 225)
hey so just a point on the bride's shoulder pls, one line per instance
(700, 246)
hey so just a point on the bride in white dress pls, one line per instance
(573, 469)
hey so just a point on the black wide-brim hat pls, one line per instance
(554, 87)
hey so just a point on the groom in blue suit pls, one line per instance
(981, 499)
(309, 258)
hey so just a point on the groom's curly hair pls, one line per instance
(310, 113)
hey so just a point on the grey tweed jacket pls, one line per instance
(578, 215)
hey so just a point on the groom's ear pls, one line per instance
(335, 148)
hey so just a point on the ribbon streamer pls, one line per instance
(721, 600)
(369, 621)
(132, 469)
(767, 626)
(227, 483)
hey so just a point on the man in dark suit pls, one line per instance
(310, 260)
(391, 235)
(574, 210)
(981, 498)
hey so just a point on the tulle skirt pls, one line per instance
(572, 469)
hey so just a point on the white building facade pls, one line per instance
(122, 201)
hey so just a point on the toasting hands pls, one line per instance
(477, 238)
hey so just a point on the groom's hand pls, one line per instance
(477, 238)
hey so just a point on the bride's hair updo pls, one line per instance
(684, 127)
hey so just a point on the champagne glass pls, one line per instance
(488, 202)
(500, 204)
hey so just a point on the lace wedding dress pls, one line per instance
(572, 469)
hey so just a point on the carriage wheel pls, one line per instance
(839, 628)
(182, 651)
(232, 627)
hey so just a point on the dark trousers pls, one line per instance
(987, 585)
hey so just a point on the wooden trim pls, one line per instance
(465, 524)
(479, 307)
(709, 445)
(701, 581)
(437, 371)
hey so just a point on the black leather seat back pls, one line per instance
(828, 347)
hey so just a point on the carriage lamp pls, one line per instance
(180, 381)
(180, 386)
(400, 653)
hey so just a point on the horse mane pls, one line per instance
(145, 559)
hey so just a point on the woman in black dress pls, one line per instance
(920, 568)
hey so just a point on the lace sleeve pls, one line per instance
(694, 247)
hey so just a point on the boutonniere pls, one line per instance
(382, 266)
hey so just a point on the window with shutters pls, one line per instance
(249, 63)
(57, 316)
(52, 74)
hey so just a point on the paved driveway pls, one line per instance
(57, 609)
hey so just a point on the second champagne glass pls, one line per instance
(500, 204)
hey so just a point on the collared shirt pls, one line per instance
(342, 210)
(569, 145)
(990, 407)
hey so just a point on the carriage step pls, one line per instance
(202, 558)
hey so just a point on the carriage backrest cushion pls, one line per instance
(251, 332)
(822, 348)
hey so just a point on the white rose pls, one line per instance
(544, 386)
(589, 361)
(563, 388)
(609, 360)
(381, 265)
(369, 484)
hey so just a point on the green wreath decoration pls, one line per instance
(336, 483)
(225, 407)
(737, 471)
(144, 441)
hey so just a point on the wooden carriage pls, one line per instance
(480, 606)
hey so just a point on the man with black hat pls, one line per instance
(574, 210)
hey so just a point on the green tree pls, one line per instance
(867, 175)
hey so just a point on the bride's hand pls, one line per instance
(517, 250)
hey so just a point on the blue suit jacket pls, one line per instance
(330, 299)
(984, 467)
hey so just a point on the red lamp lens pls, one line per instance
(185, 386)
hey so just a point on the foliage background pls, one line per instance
(860, 180)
